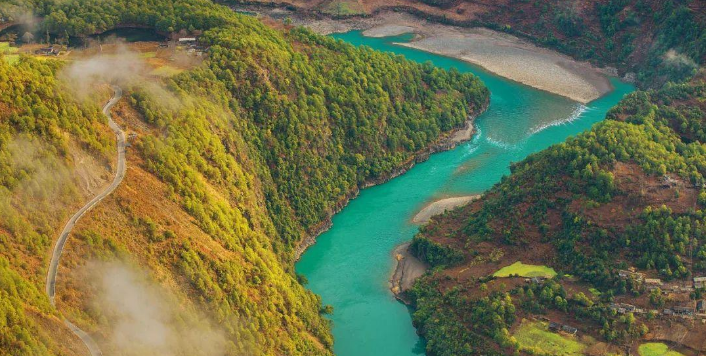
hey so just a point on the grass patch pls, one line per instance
(535, 337)
(343, 8)
(9, 53)
(595, 292)
(656, 349)
(166, 71)
(12, 58)
(5, 48)
(523, 270)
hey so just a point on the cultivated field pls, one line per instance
(536, 337)
(656, 349)
(523, 270)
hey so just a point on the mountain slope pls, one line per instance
(626, 194)
(233, 163)
(656, 41)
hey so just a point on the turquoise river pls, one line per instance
(350, 264)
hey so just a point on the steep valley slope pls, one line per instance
(608, 230)
(594, 246)
(230, 165)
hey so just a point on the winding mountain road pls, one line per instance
(59, 247)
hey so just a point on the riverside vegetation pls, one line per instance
(626, 194)
(252, 150)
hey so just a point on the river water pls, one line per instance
(350, 264)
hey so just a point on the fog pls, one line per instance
(19, 15)
(118, 66)
(146, 319)
(44, 184)
(122, 67)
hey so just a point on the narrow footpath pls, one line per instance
(59, 247)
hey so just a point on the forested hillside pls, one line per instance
(36, 188)
(655, 40)
(625, 196)
(659, 41)
(232, 164)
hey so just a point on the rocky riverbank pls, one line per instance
(407, 269)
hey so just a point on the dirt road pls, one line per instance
(59, 247)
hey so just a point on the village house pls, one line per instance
(668, 181)
(538, 280)
(47, 51)
(686, 289)
(653, 282)
(567, 329)
(623, 308)
(700, 306)
(675, 288)
(699, 282)
(683, 311)
(192, 45)
(623, 274)
(535, 280)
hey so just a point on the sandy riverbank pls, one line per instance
(500, 53)
(407, 269)
(388, 30)
(440, 206)
(518, 60)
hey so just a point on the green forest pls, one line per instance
(259, 145)
(627, 193)
(37, 119)
(659, 41)
(278, 127)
